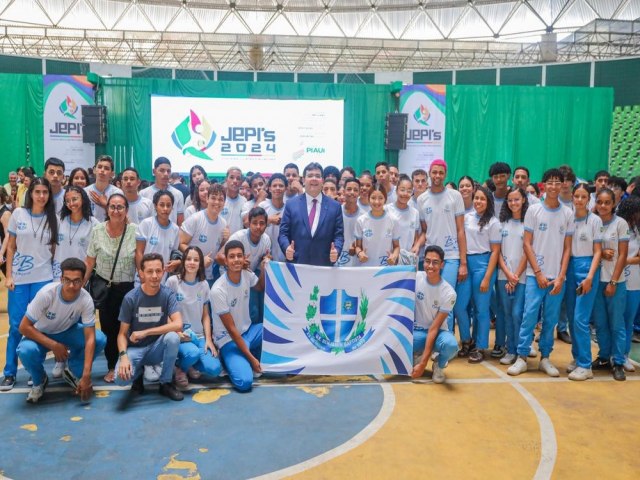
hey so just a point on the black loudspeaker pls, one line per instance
(395, 131)
(94, 124)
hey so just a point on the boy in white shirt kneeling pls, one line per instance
(435, 299)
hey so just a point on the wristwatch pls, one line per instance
(613, 283)
(122, 353)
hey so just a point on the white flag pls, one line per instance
(346, 321)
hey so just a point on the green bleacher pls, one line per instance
(624, 159)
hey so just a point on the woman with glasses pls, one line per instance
(33, 234)
(101, 255)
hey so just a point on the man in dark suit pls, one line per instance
(311, 230)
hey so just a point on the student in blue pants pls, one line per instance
(608, 312)
(583, 278)
(547, 225)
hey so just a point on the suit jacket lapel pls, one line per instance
(323, 211)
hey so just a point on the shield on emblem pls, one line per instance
(338, 312)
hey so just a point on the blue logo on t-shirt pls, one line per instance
(368, 233)
(234, 302)
(540, 260)
(22, 225)
(344, 258)
(153, 240)
(202, 238)
(224, 212)
(50, 315)
(22, 263)
(543, 227)
(179, 297)
(60, 237)
(420, 295)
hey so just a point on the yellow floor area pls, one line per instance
(484, 424)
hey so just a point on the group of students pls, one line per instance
(185, 274)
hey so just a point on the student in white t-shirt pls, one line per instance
(100, 191)
(583, 278)
(366, 185)
(513, 263)
(435, 299)
(162, 173)
(608, 311)
(54, 172)
(238, 340)
(192, 295)
(274, 206)
(206, 229)
(33, 235)
(61, 319)
(483, 249)
(200, 199)
(350, 214)
(158, 234)
(442, 219)
(234, 202)
(139, 207)
(500, 173)
(629, 210)
(466, 187)
(377, 234)
(258, 186)
(547, 226)
(407, 217)
(196, 174)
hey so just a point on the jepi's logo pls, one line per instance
(342, 327)
(193, 136)
(68, 107)
(422, 115)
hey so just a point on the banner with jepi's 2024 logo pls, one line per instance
(347, 321)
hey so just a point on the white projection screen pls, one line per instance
(256, 135)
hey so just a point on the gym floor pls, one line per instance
(481, 423)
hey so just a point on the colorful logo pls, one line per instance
(342, 327)
(193, 136)
(422, 115)
(68, 107)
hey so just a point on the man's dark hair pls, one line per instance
(382, 164)
(73, 264)
(56, 162)
(568, 172)
(350, 180)
(233, 244)
(291, 165)
(618, 182)
(131, 169)
(522, 168)
(552, 173)
(160, 160)
(499, 168)
(313, 166)
(161, 193)
(418, 171)
(601, 173)
(258, 212)
(331, 170)
(105, 158)
(149, 257)
(435, 249)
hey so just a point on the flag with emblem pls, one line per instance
(347, 321)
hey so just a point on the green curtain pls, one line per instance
(21, 134)
(129, 112)
(537, 127)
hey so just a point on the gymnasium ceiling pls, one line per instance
(321, 35)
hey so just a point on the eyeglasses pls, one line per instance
(116, 208)
(553, 182)
(435, 263)
(67, 281)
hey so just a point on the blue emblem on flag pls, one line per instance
(338, 312)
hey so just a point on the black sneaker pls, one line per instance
(600, 364)
(564, 337)
(169, 390)
(7, 383)
(618, 373)
(476, 356)
(138, 385)
(498, 352)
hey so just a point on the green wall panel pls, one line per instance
(569, 75)
(623, 76)
(521, 76)
(476, 77)
(275, 77)
(433, 78)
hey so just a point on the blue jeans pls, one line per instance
(608, 317)
(513, 308)
(498, 312)
(17, 303)
(631, 313)
(536, 297)
(482, 300)
(164, 350)
(188, 355)
(446, 345)
(32, 354)
(450, 275)
(579, 309)
(237, 365)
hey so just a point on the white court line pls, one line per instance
(548, 442)
(365, 434)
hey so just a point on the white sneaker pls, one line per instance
(438, 373)
(508, 359)
(580, 374)
(223, 372)
(533, 353)
(628, 366)
(572, 366)
(435, 355)
(37, 391)
(152, 373)
(547, 367)
(517, 368)
(58, 368)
